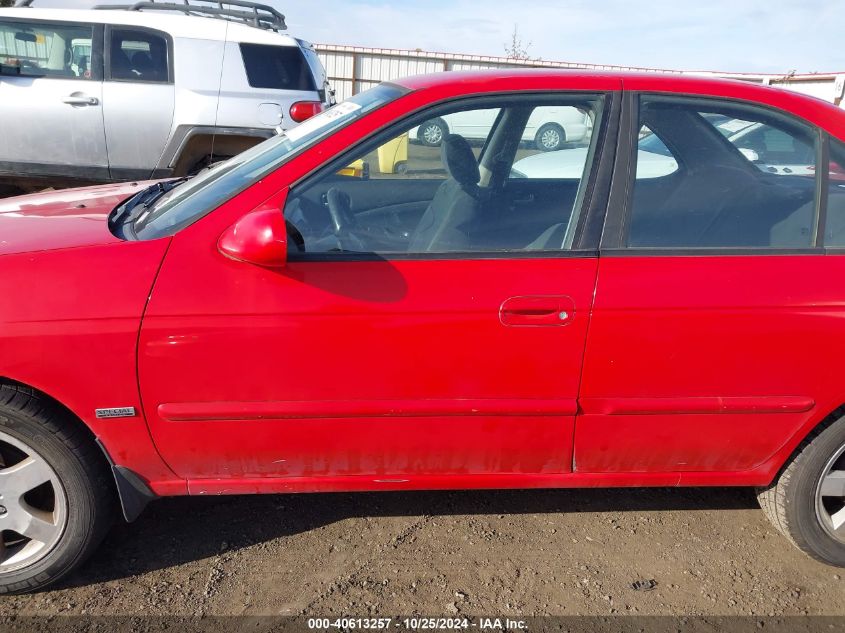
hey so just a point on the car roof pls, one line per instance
(455, 83)
(184, 26)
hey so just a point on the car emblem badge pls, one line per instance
(116, 412)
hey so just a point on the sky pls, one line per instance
(773, 36)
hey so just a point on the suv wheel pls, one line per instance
(807, 501)
(56, 498)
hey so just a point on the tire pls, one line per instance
(76, 502)
(550, 137)
(431, 133)
(807, 499)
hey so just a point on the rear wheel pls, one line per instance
(431, 133)
(56, 497)
(807, 501)
(550, 137)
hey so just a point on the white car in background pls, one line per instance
(548, 128)
(771, 150)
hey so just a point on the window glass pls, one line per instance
(464, 179)
(555, 143)
(741, 176)
(138, 56)
(654, 160)
(277, 67)
(44, 50)
(834, 227)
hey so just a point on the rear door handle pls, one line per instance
(81, 100)
(537, 310)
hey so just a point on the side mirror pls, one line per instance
(259, 238)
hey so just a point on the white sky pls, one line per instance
(729, 35)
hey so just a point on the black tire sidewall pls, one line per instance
(83, 507)
(800, 502)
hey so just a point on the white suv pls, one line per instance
(146, 90)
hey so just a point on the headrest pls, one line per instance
(459, 160)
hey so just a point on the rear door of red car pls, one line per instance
(715, 322)
(372, 362)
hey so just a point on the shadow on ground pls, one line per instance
(180, 530)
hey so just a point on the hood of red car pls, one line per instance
(67, 218)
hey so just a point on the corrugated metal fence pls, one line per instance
(352, 69)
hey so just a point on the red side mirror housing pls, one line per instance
(259, 238)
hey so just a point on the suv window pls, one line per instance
(137, 55)
(735, 176)
(410, 194)
(277, 67)
(44, 50)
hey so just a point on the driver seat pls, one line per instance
(443, 226)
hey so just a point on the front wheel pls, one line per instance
(807, 500)
(56, 498)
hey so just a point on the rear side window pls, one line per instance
(277, 67)
(719, 174)
(138, 56)
(43, 50)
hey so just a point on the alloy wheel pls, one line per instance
(432, 134)
(550, 139)
(830, 496)
(33, 505)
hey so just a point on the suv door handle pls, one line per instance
(81, 100)
(537, 310)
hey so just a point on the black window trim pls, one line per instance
(614, 235)
(171, 78)
(97, 56)
(593, 203)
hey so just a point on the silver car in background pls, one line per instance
(149, 90)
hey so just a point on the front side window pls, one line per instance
(138, 55)
(37, 49)
(277, 67)
(487, 180)
(718, 174)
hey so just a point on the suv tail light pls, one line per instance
(302, 110)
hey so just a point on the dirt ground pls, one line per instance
(517, 553)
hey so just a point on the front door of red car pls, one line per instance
(715, 323)
(427, 326)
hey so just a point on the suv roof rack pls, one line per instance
(262, 16)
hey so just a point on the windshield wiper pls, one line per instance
(142, 201)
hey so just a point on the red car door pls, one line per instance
(715, 325)
(417, 350)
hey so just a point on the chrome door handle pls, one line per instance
(87, 101)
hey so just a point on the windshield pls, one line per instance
(192, 200)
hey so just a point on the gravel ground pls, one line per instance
(515, 553)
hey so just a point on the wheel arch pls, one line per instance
(132, 491)
(190, 145)
(785, 455)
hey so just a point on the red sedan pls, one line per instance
(338, 309)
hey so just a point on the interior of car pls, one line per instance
(718, 197)
(460, 197)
